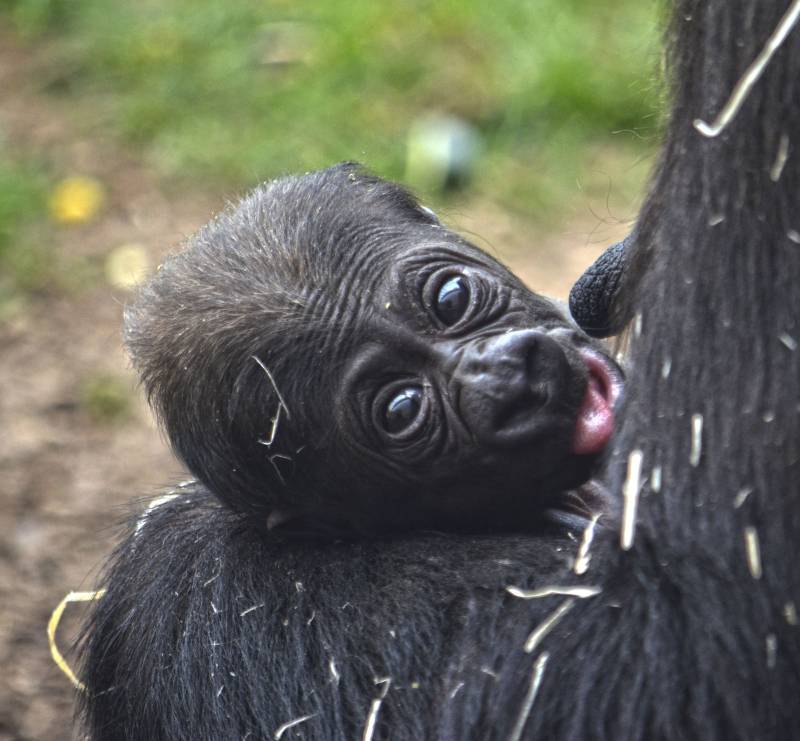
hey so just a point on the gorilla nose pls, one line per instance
(507, 382)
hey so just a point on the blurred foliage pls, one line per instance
(229, 94)
(29, 264)
(21, 197)
(127, 266)
(246, 89)
(76, 200)
(24, 262)
(107, 399)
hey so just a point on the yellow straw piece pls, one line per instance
(52, 627)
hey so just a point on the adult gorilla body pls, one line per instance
(691, 633)
(695, 634)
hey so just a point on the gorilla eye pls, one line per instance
(402, 409)
(452, 300)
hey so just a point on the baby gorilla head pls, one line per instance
(325, 355)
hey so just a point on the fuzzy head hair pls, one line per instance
(241, 327)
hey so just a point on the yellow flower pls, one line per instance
(76, 200)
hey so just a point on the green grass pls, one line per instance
(24, 261)
(29, 263)
(225, 94)
(238, 91)
(106, 399)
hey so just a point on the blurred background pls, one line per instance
(529, 126)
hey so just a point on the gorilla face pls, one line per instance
(326, 352)
(468, 392)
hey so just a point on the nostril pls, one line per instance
(503, 401)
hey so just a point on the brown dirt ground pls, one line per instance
(66, 480)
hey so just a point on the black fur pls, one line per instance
(210, 630)
(684, 642)
(279, 307)
(681, 642)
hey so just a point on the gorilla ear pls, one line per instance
(591, 300)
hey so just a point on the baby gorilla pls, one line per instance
(388, 415)
(327, 357)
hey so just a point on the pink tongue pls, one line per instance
(595, 422)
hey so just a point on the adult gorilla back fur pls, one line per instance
(690, 634)
(695, 634)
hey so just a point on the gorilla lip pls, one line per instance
(594, 423)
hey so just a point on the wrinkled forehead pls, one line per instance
(451, 250)
(384, 271)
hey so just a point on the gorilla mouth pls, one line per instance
(594, 423)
